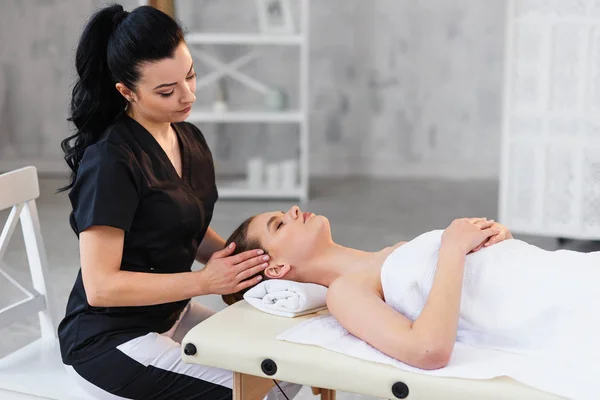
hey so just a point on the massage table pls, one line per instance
(242, 339)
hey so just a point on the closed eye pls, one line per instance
(273, 220)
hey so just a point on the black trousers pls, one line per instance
(123, 376)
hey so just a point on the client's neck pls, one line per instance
(335, 261)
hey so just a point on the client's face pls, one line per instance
(290, 238)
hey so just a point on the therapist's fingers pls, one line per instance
(223, 252)
(247, 283)
(250, 272)
(240, 258)
(251, 263)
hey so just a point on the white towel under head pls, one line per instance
(287, 298)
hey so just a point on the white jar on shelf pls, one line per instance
(289, 174)
(272, 176)
(255, 172)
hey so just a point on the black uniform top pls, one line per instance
(127, 181)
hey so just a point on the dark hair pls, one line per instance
(113, 45)
(242, 243)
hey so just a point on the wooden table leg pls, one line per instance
(250, 387)
(326, 394)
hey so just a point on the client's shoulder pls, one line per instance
(365, 281)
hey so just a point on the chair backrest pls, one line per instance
(18, 190)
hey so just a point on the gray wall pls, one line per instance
(396, 87)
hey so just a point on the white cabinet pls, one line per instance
(550, 163)
(298, 116)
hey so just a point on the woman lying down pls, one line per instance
(471, 283)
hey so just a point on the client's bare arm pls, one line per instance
(427, 342)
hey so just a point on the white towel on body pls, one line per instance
(287, 298)
(526, 313)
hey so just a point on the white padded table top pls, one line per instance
(240, 337)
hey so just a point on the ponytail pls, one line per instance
(95, 102)
(112, 46)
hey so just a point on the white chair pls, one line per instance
(35, 370)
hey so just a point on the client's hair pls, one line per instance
(242, 243)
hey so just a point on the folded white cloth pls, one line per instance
(287, 298)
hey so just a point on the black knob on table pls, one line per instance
(190, 349)
(400, 390)
(268, 366)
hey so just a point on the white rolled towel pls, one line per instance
(287, 298)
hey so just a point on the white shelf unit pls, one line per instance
(238, 189)
(242, 38)
(246, 116)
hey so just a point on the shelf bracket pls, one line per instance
(230, 69)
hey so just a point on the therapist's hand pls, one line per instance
(226, 274)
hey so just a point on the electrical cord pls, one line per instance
(281, 390)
